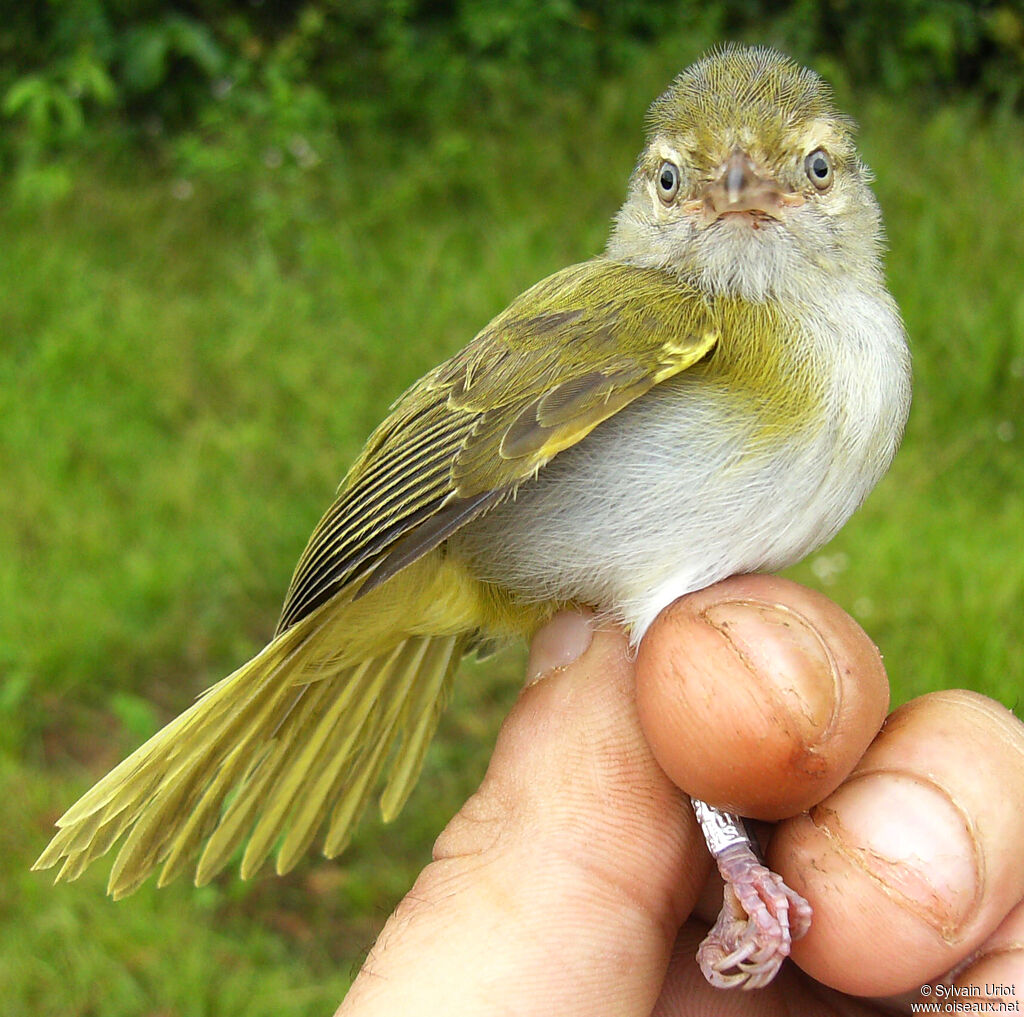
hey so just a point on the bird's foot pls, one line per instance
(760, 918)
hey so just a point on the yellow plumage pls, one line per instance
(299, 736)
(378, 616)
(717, 393)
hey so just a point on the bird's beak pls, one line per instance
(742, 187)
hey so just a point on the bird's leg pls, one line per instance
(760, 916)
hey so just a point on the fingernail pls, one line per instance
(907, 833)
(785, 654)
(559, 643)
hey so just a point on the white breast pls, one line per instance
(667, 497)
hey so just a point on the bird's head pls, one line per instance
(749, 183)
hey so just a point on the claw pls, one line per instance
(760, 918)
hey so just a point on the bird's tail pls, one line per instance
(292, 742)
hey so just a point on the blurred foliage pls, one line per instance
(215, 79)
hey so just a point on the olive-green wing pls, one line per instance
(564, 356)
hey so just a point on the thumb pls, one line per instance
(560, 885)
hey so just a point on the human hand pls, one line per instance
(574, 881)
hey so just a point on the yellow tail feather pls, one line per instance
(292, 741)
(420, 715)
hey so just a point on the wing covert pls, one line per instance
(564, 356)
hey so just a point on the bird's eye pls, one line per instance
(819, 169)
(668, 181)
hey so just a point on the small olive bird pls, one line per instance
(715, 394)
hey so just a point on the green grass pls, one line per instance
(184, 381)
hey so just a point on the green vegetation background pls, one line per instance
(231, 234)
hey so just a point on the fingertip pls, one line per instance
(759, 695)
(913, 861)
